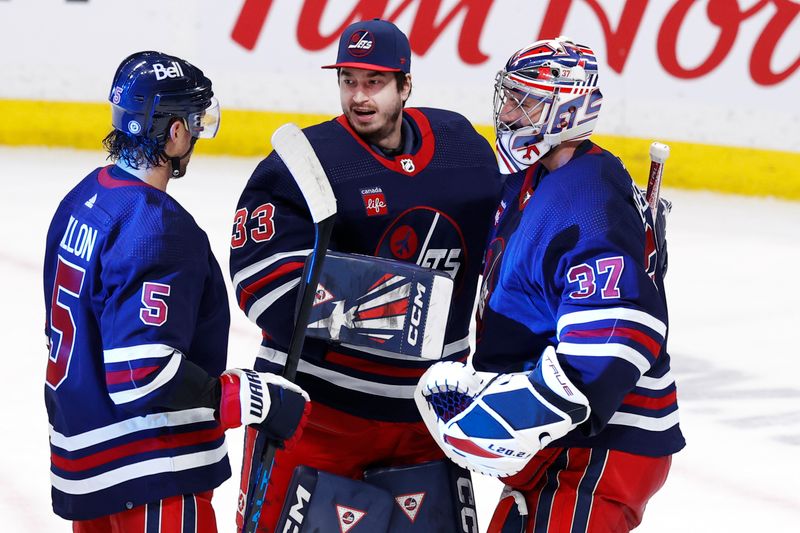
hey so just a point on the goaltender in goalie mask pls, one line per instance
(547, 94)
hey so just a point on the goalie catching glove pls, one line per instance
(271, 403)
(494, 423)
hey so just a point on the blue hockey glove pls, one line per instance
(494, 423)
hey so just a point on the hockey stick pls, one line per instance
(658, 155)
(296, 152)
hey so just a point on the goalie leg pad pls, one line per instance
(326, 503)
(434, 496)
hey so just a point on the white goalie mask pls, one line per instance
(546, 94)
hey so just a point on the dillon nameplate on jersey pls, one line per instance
(382, 304)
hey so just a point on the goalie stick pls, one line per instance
(659, 153)
(297, 154)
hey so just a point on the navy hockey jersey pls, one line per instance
(137, 319)
(572, 262)
(432, 206)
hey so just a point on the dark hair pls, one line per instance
(401, 78)
(136, 150)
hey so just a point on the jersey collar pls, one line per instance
(113, 177)
(409, 164)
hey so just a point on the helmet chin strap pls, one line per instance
(175, 162)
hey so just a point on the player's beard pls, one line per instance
(379, 129)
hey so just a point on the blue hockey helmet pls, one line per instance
(152, 88)
(548, 93)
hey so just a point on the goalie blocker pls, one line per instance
(381, 304)
(435, 496)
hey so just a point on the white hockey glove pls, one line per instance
(494, 423)
(276, 406)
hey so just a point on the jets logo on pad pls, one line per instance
(348, 517)
(410, 504)
(323, 295)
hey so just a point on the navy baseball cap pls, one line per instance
(374, 45)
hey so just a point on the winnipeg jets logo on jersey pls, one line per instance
(427, 237)
(360, 44)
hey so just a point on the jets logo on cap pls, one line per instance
(361, 43)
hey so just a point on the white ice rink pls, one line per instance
(734, 295)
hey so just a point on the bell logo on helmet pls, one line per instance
(162, 72)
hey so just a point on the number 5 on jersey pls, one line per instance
(155, 308)
(66, 291)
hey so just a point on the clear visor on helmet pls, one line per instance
(205, 124)
(517, 106)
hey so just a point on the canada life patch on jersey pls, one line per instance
(361, 43)
(374, 201)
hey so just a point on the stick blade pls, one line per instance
(293, 147)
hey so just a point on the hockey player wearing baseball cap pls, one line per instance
(411, 184)
(374, 72)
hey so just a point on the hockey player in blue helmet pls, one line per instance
(151, 92)
(569, 400)
(137, 394)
